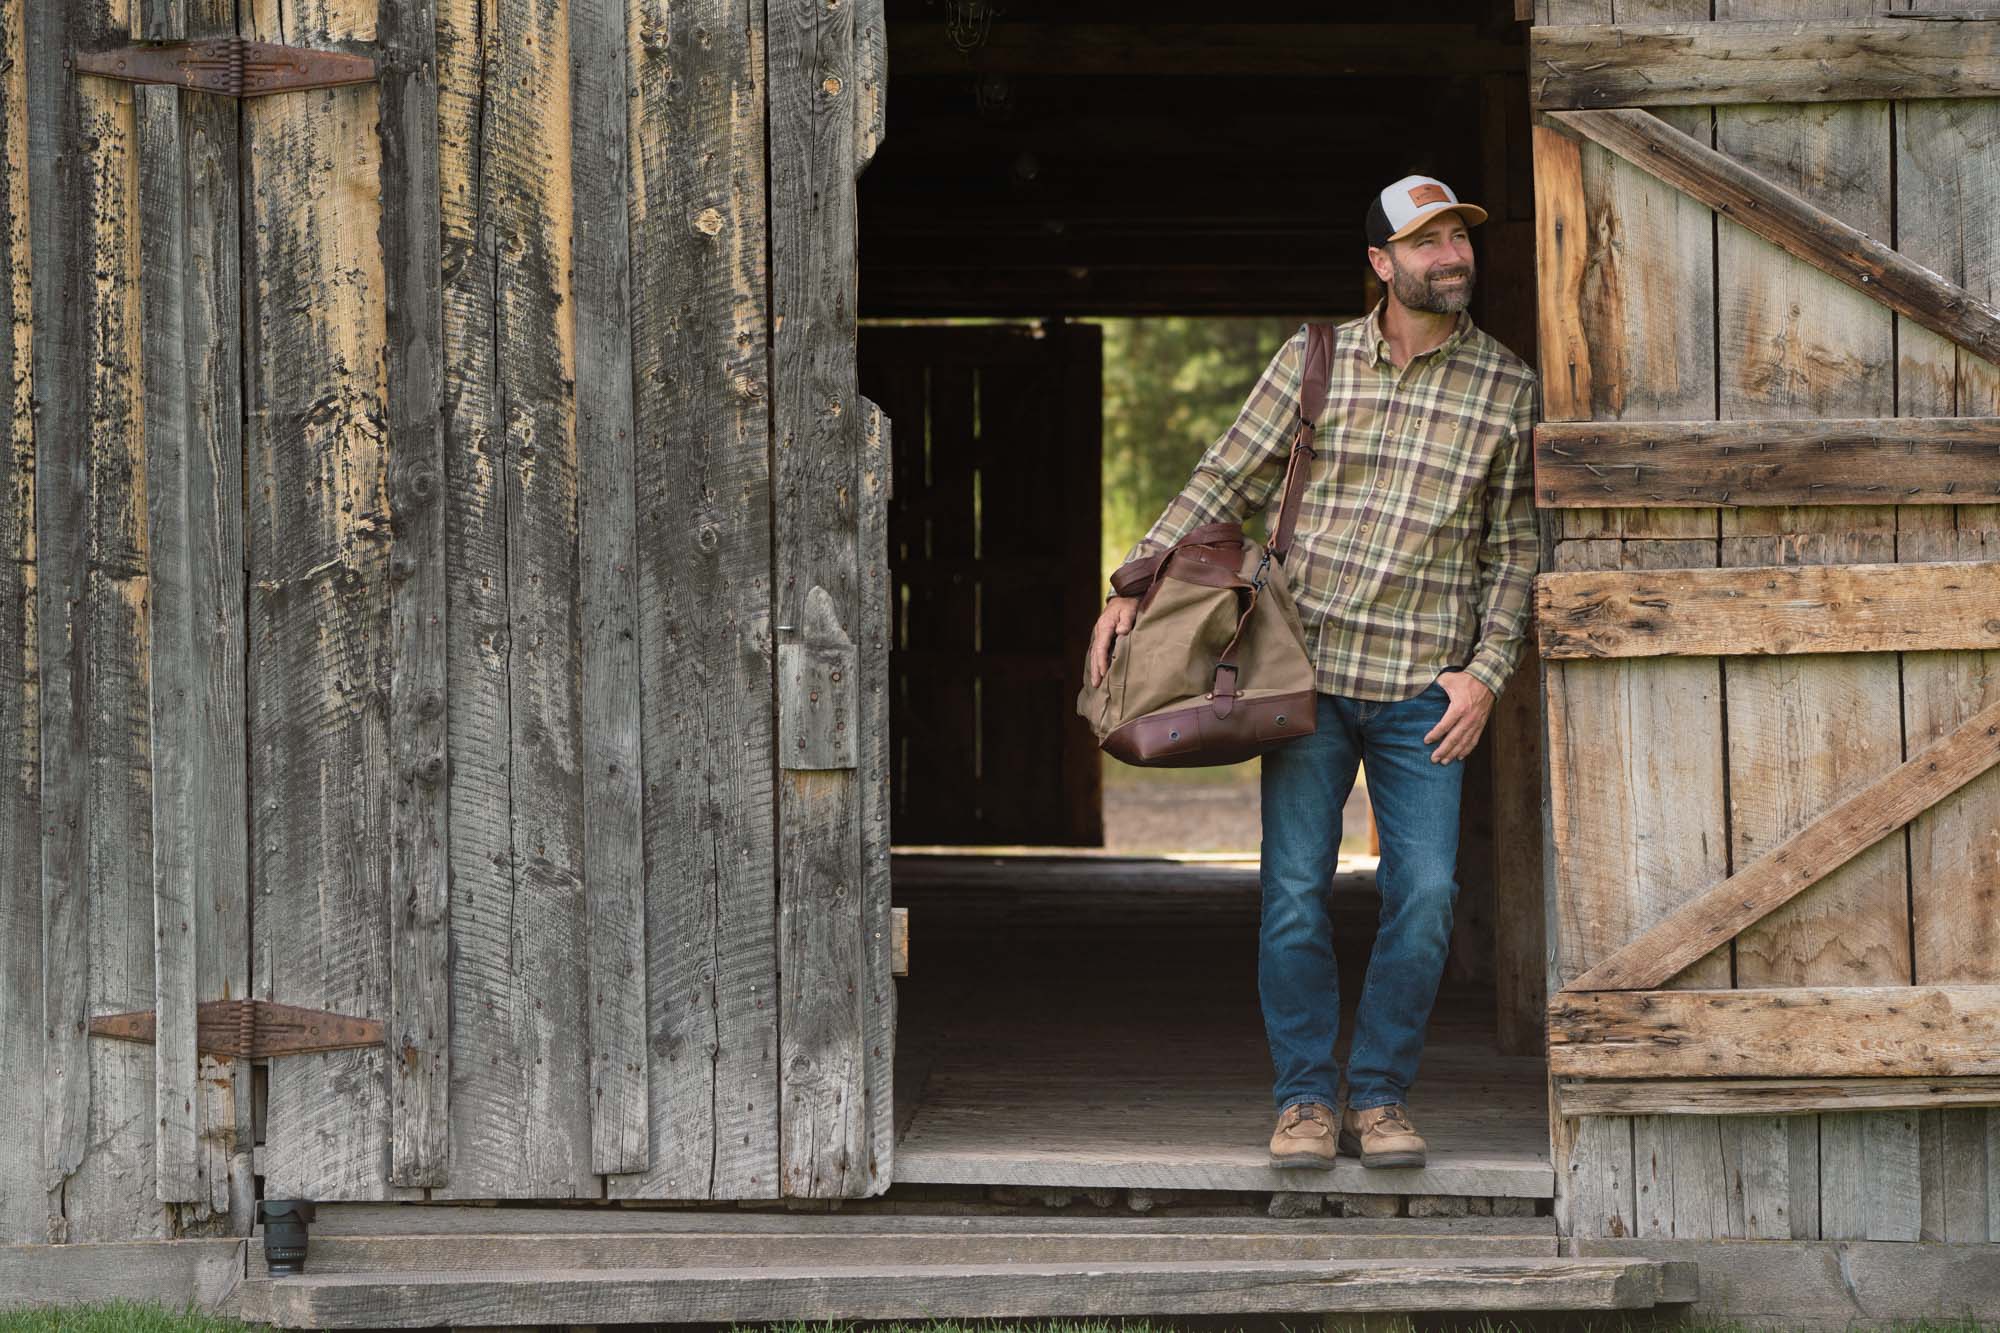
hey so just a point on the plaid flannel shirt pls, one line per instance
(1416, 545)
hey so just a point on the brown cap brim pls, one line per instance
(1474, 215)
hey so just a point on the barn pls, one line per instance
(724, 375)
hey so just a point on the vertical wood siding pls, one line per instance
(24, 1208)
(701, 395)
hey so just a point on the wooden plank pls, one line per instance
(1807, 1031)
(1825, 1285)
(1916, 460)
(520, 1118)
(319, 667)
(1796, 344)
(1686, 64)
(887, 946)
(192, 383)
(24, 1209)
(1206, 50)
(1947, 194)
(1562, 235)
(614, 875)
(882, 1242)
(96, 641)
(960, 1290)
(824, 1124)
(886, 1218)
(176, 1274)
(1082, 464)
(1750, 1096)
(1770, 610)
(1783, 218)
(702, 396)
(871, 77)
(1803, 859)
(419, 854)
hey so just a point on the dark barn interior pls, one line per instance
(1091, 1022)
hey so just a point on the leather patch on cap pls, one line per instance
(1428, 194)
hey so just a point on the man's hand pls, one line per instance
(1460, 727)
(1119, 613)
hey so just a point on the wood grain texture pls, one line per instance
(1562, 236)
(1769, 1032)
(1647, 299)
(24, 1210)
(1826, 1286)
(320, 667)
(702, 397)
(192, 384)
(1770, 610)
(825, 1130)
(419, 1034)
(1918, 460)
(520, 1121)
(1680, 64)
(175, 1274)
(1948, 219)
(1782, 217)
(91, 516)
(1799, 344)
(614, 871)
(941, 1291)
(1752, 1096)
(886, 944)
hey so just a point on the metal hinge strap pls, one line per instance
(251, 1029)
(229, 66)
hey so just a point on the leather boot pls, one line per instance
(1304, 1137)
(1382, 1136)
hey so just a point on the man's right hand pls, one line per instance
(1119, 613)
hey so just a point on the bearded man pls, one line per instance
(1411, 569)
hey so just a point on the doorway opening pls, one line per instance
(1067, 212)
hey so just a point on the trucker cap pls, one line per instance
(1409, 204)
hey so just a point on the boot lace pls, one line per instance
(1394, 1115)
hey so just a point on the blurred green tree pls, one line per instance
(1172, 385)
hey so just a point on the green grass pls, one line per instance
(123, 1317)
(115, 1317)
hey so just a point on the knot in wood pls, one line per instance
(708, 222)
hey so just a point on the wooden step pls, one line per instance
(723, 1242)
(561, 1295)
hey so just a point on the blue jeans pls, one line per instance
(1305, 784)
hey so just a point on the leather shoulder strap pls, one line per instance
(1312, 401)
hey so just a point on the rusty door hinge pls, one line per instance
(251, 1028)
(229, 66)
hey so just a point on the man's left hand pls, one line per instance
(1462, 724)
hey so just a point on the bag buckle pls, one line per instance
(1263, 565)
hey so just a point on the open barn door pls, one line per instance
(1772, 630)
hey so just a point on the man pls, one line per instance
(1411, 569)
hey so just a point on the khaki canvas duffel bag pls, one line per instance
(1215, 669)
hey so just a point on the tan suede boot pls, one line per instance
(1304, 1137)
(1382, 1136)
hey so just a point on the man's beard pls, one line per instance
(1427, 293)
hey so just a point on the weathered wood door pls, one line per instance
(1770, 462)
(395, 629)
(993, 542)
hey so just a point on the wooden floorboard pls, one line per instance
(1097, 1025)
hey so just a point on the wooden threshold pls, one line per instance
(910, 1291)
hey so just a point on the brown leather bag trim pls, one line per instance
(1194, 737)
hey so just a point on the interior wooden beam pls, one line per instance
(1386, 50)
(1769, 1096)
(1764, 610)
(1703, 64)
(1698, 464)
(1799, 862)
(1812, 1032)
(1801, 230)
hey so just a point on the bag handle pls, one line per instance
(1312, 401)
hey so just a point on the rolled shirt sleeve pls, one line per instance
(1510, 552)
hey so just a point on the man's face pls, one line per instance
(1432, 268)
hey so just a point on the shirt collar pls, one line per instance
(1375, 347)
